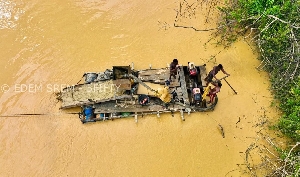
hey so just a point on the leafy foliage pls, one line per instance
(274, 26)
(290, 121)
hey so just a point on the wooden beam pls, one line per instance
(183, 86)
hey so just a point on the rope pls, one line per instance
(31, 114)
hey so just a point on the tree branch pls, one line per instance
(272, 16)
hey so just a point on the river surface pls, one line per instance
(46, 45)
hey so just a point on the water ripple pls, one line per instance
(9, 14)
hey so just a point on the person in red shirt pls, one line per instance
(213, 92)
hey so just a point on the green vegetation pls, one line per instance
(274, 26)
(290, 122)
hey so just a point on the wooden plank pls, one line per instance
(161, 82)
(110, 108)
(183, 86)
(149, 72)
(203, 74)
(94, 92)
(144, 90)
(175, 83)
(88, 102)
(124, 84)
(162, 77)
(157, 76)
(121, 83)
(136, 108)
(153, 79)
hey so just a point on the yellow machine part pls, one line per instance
(207, 89)
(163, 94)
(160, 92)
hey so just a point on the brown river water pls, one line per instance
(46, 45)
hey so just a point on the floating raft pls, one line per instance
(119, 93)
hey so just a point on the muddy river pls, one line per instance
(46, 45)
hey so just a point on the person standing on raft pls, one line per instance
(212, 74)
(173, 69)
(213, 92)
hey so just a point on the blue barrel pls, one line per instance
(88, 112)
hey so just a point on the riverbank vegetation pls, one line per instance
(274, 27)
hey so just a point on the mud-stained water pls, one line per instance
(46, 45)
